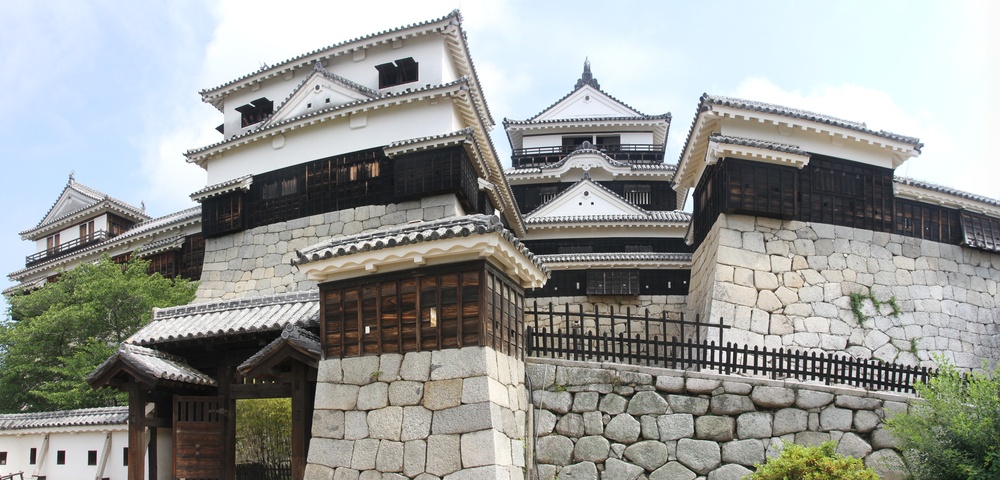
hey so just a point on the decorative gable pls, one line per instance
(586, 102)
(588, 198)
(72, 200)
(321, 90)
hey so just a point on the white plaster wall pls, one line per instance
(18, 445)
(73, 232)
(810, 141)
(637, 137)
(335, 137)
(428, 51)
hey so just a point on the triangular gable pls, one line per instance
(586, 102)
(320, 90)
(586, 197)
(148, 366)
(295, 345)
(73, 198)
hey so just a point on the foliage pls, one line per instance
(264, 431)
(818, 462)
(56, 335)
(857, 303)
(955, 431)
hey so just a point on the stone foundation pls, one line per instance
(449, 414)
(789, 284)
(258, 261)
(605, 421)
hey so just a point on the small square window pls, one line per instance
(3, 458)
(92, 457)
(61, 457)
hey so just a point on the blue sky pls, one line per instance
(108, 89)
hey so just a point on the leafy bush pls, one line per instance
(818, 462)
(955, 432)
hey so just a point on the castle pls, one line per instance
(358, 226)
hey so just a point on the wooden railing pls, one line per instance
(612, 337)
(68, 247)
(626, 152)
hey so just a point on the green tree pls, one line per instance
(264, 433)
(817, 462)
(55, 336)
(955, 431)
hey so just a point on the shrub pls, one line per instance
(818, 462)
(955, 431)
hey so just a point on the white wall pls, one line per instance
(427, 51)
(809, 141)
(18, 445)
(72, 233)
(335, 137)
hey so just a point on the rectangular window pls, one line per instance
(638, 194)
(52, 244)
(125, 457)
(547, 193)
(91, 457)
(86, 232)
(3, 458)
(399, 72)
(32, 456)
(612, 282)
(255, 111)
(61, 457)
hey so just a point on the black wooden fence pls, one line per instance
(639, 339)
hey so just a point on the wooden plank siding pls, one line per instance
(365, 177)
(427, 309)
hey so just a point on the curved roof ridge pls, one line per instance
(947, 190)
(453, 14)
(750, 142)
(592, 82)
(221, 305)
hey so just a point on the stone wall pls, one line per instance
(258, 261)
(455, 414)
(614, 422)
(789, 284)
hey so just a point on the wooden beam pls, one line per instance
(300, 428)
(136, 431)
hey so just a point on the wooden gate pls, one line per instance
(199, 429)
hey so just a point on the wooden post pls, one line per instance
(300, 422)
(227, 402)
(136, 431)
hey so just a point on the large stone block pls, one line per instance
(389, 457)
(833, 418)
(744, 452)
(416, 366)
(558, 402)
(444, 454)
(334, 396)
(647, 403)
(701, 456)
(331, 453)
(716, 428)
(385, 423)
(754, 425)
(328, 424)
(675, 426)
(854, 446)
(554, 450)
(373, 396)
(648, 454)
(728, 404)
(888, 465)
(729, 472)
(809, 399)
(360, 370)
(772, 397)
(466, 418)
(485, 447)
(615, 469)
(673, 471)
(688, 404)
(404, 393)
(570, 425)
(789, 420)
(463, 363)
(416, 423)
(594, 448)
(622, 428)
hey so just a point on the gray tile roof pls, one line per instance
(708, 100)
(230, 317)
(298, 338)
(267, 125)
(157, 365)
(410, 141)
(222, 185)
(749, 142)
(616, 257)
(419, 232)
(86, 417)
(95, 195)
(947, 190)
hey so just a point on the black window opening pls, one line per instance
(638, 194)
(255, 111)
(612, 282)
(61, 457)
(395, 73)
(125, 456)
(3, 458)
(32, 456)
(91, 457)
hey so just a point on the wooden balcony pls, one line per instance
(622, 152)
(66, 248)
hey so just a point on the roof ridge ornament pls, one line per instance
(587, 78)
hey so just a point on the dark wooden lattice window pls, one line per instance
(224, 213)
(760, 189)
(612, 282)
(638, 194)
(427, 309)
(164, 263)
(435, 172)
(404, 70)
(192, 256)
(930, 222)
(118, 225)
(981, 231)
(851, 194)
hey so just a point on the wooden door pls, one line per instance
(199, 429)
